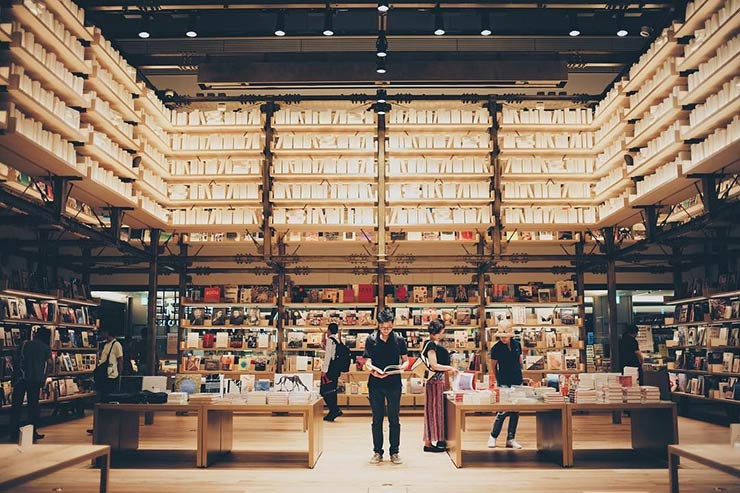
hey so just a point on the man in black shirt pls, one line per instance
(505, 369)
(29, 374)
(629, 351)
(382, 349)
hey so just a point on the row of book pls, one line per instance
(53, 389)
(712, 361)
(705, 386)
(235, 316)
(228, 362)
(233, 339)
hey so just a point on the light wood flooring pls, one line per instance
(344, 465)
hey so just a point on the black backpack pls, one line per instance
(342, 357)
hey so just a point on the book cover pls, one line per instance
(212, 294)
(565, 291)
(219, 316)
(401, 293)
(461, 294)
(440, 293)
(554, 360)
(236, 317)
(366, 293)
(420, 294)
(463, 316)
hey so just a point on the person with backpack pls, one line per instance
(437, 359)
(336, 356)
(31, 363)
(384, 349)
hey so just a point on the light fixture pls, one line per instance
(144, 30)
(621, 28)
(381, 45)
(280, 24)
(192, 31)
(383, 6)
(382, 96)
(328, 21)
(381, 108)
(439, 22)
(380, 65)
(646, 31)
(574, 30)
(485, 24)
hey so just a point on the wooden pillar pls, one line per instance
(151, 319)
(381, 133)
(268, 109)
(483, 337)
(611, 296)
(581, 293)
(280, 322)
(182, 289)
(495, 180)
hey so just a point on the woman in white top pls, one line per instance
(330, 376)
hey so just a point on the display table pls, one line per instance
(654, 426)
(552, 427)
(218, 432)
(721, 457)
(39, 460)
(117, 425)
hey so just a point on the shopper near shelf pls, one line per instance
(110, 367)
(385, 348)
(629, 351)
(330, 373)
(505, 370)
(31, 362)
(437, 358)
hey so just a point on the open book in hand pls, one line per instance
(393, 369)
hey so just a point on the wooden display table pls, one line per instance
(653, 426)
(721, 457)
(117, 425)
(39, 460)
(552, 427)
(218, 432)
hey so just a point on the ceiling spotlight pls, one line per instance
(646, 31)
(622, 33)
(328, 21)
(382, 96)
(439, 22)
(381, 45)
(380, 65)
(280, 24)
(485, 24)
(144, 31)
(383, 6)
(621, 28)
(574, 30)
(192, 31)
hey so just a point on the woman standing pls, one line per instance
(438, 360)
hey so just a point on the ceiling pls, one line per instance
(241, 33)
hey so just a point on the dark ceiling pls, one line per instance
(243, 31)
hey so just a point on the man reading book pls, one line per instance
(383, 349)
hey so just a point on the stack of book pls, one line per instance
(204, 398)
(298, 398)
(277, 398)
(650, 393)
(177, 398)
(256, 398)
(611, 393)
(585, 396)
(552, 396)
(632, 395)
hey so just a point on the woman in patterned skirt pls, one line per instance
(438, 360)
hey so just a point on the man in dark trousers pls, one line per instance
(330, 373)
(629, 351)
(29, 374)
(505, 369)
(383, 348)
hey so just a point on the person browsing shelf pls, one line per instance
(629, 351)
(438, 360)
(384, 348)
(505, 370)
(330, 374)
(110, 367)
(30, 367)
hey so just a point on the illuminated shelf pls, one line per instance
(221, 129)
(656, 95)
(709, 47)
(94, 193)
(28, 157)
(209, 178)
(609, 137)
(718, 118)
(548, 152)
(662, 157)
(44, 75)
(321, 152)
(329, 306)
(727, 158)
(669, 49)
(212, 304)
(613, 190)
(107, 161)
(210, 153)
(324, 227)
(321, 202)
(655, 128)
(104, 125)
(319, 127)
(446, 227)
(152, 137)
(438, 176)
(700, 15)
(559, 177)
(438, 127)
(439, 202)
(49, 39)
(104, 58)
(545, 127)
(552, 304)
(154, 193)
(40, 113)
(713, 83)
(144, 105)
(187, 203)
(452, 304)
(549, 226)
(153, 165)
(319, 177)
(670, 192)
(619, 103)
(146, 218)
(69, 19)
(73, 301)
(102, 90)
(214, 228)
(619, 216)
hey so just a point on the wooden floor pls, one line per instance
(344, 465)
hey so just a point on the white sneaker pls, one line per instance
(396, 459)
(491, 442)
(376, 459)
(513, 444)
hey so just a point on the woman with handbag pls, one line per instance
(437, 359)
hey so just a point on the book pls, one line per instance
(366, 293)
(236, 317)
(419, 294)
(212, 294)
(392, 369)
(554, 360)
(219, 317)
(565, 291)
(463, 316)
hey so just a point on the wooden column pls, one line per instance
(581, 293)
(268, 109)
(381, 133)
(182, 288)
(481, 248)
(611, 295)
(280, 322)
(495, 179)
(151, 319)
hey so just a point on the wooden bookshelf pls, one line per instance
(619, 216)
(95, 83)
(619, 104)
(719, 118)
(107, 161)
(155, 166)
(438, 127)
(324, 152)
(709, 47)
(560, 177)
(213, 228)
(546, 127)
(546, 152)
(727, 158)
(213, 129)
(703, 11)
(436, 202)
(103, 124)
(97, 52)
(606, 140)
(209, 178)
(153, 138)
(656, 94)
(613, 190)
(439, 227)
(657, 127)
(69, 19)
(155, 193)
(324, 227)
(320, 176)
(701, 397)
(664, 156)
(28, 157)
(670, 192)
(436, 176)
(703, 372)
(95, 193)
(210, 153)
(713, 82)
(149, 108)
(670, 49)
(320, 202)
(141, 216)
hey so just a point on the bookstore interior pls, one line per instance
(234, 236)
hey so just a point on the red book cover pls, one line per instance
(402, 294)
(348, 295)
(208, 340)
(212, 295)
(366, 293)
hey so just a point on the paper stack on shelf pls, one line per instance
(585, 396)
(632, 395)
(177, 398)
(277, 398)
(256, 398)
(297, 398)
(204, 398)
(650, 393)
(611, 393)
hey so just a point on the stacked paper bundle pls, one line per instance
(650, 393)
(177, 398)
(585, 396)
(612, 393)
(203, 398)
(479, 397)
(631, 371)
(632, 395)
(277, 398)
(552, 396)
(256, 398)
(297, 398)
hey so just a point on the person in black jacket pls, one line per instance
(505, 369)
(29, 374)
(330, 373)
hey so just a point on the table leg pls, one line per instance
(673, 472)
(217, 434)
(119, 429)
(551, 431)
(104, 464)
(314, 416)
(453, 433)
(653, 429)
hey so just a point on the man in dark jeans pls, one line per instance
(330, 373)
(383, 348)
(505, 369)
(629, 351)
(29, 374)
